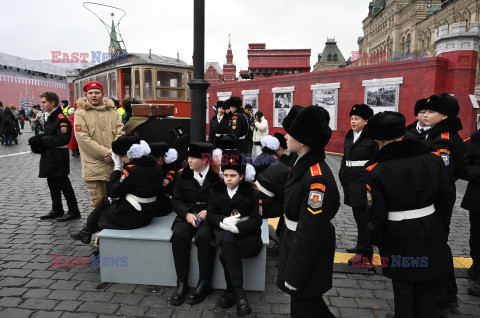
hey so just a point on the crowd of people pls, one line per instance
(398, 179)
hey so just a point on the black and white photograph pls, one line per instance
(327, 98)
(283, 100)
(381, 98)
(251, 99)
(282, 104)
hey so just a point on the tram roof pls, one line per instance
(135, 59)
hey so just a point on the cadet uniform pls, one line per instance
(357, 152)
(218, 128)
(471, 202)
(246, 243)
(409, 202)
(414, 130)
(311, 200)
(55, 162)
(130, 201)
(189, 196)
(444, 139)
(239, 123)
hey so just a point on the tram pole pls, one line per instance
(198, 85)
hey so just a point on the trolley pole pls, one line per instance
(198, 85)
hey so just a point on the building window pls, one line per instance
(112, 78)
(335, 58)
(170, 85)
(329, 58)
(127, 82)
(147, 84)
(137, 83)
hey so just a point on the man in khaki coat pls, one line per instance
(97, 124)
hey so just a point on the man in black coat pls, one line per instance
(418, 129)
(248, 109)
(409, 206)
(132, 190)
(219, 124)
(235, 212)
(471, 202)
(358, 149)
(190, 201)
(311, 201)
(54, 160)
(441, 114)
(238, 122)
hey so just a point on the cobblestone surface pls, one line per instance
(30, 287)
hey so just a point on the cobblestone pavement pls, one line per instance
(30, 287)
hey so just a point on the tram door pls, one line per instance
(127, 82)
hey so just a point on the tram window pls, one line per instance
(170, 79)
(147, 84)
(127, 82)
(103, 80)
(137, 83)
(170, 93)
(113, 85)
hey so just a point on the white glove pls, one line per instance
(117, 162)
(232, 220)
(289, 286)
(229, 227)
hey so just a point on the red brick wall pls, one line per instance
(421, 79)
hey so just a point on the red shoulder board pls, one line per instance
(369, 168)
(443, 151)
(170, 177)
(173, 172)
(181, 169)
(276, 158)
(466, 139)
(369, 188)
(129, 166)
(435, 153)
(61, 116)
(125, 172)
(315, 170)
(445, 135)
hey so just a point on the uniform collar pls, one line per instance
(231, 192)
(399, 149)
(449, 124)
(303, 163)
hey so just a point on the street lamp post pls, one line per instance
(198, 85)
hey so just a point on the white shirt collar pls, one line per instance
(356, 135)
(219, 118)
(201, 179)
(231, 192)
(420, 127)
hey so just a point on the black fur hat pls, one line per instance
(443, 103)
(228, 142)
(310, 127)
(419, 106)
(234, 101)
(159, 148)
(288, 120)
(386, 126)
(199, 150)
(361, 110)
(36, 144)
(220, 104)
(123, 144)
(232, 159)
(281, 139)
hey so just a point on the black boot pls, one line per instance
(227, 300)
(70, 215)
(242, 306)
(181, 292)
(204, 288)
(83, 236)
(52, 215)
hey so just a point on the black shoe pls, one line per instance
(83, 236)
(180, 292)
(473, 272)
(69, 216)
(204, 288)
(227, 300)
(353, 250)
(242, 307)
(52, 215)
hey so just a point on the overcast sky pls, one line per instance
(32, 29)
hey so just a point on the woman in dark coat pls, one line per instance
(311, 201)
(235, 212)
(8, 126)
(409, 197)
(358, 149)
(132, 188)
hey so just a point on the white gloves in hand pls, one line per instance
(232, 220)
(289, 286)
(117, 162)
(229, 227)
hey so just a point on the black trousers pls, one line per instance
(94, 217)
(415, 299)
(309, 308)
(474, 240)
(181, 239)
(364, 245)
(57, 187)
